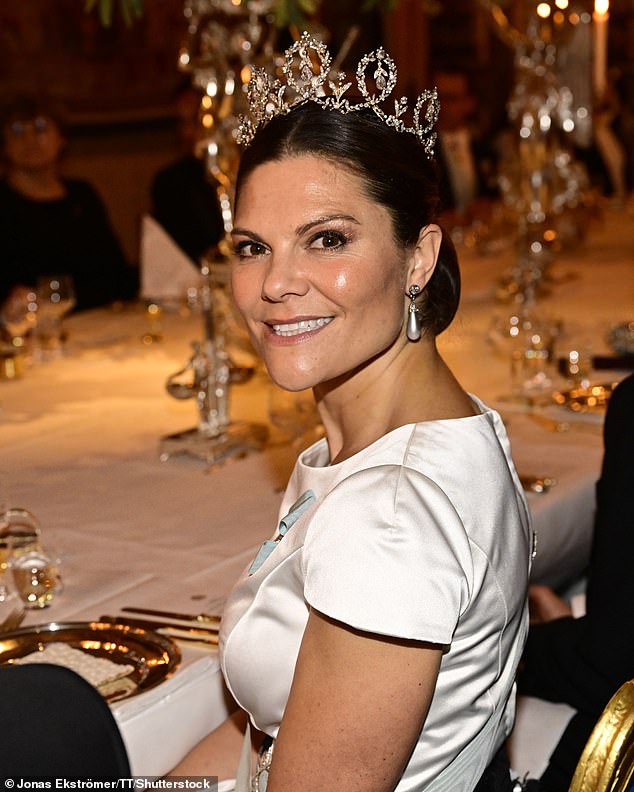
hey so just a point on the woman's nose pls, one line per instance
(283, 278)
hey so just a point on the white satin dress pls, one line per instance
(423, 535)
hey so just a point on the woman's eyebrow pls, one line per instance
(245, 232)
(302, 229)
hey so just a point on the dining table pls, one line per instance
(80, 447)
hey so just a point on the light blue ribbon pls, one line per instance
(294, 513)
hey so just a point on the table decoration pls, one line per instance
(550, 111)
(224, 40)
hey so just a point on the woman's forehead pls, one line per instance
(304, 177)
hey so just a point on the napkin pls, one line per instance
(166, 272)
(99, 671)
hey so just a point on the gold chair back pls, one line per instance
(607, 761)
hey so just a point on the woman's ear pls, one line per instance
(425, 255)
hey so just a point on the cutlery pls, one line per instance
(553, 425)
(177, 632)
(203, 618)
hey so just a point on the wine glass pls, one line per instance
(11, 607)
(55, 295)
(19, 316)
(36, 576)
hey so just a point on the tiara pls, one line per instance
(306, 71)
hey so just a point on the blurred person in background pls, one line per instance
(466, 160)
(51, 224)
(184, 199)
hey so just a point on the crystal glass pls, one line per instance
(36, 576)
(19, 531)
(532, 359)
(55, 296)
(19, 317)
(11, 606)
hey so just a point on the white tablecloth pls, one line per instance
(79, 446)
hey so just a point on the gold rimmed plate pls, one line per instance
(150, 657)
(592, 399)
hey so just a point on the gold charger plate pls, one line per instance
(593, 399)
(153, 657)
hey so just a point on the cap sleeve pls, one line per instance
(387, 553)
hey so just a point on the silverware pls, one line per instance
(177, 632)
(203, 618)
(553, 425)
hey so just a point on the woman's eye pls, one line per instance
(249, 249)
(328, 240)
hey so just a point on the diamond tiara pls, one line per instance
(307, 74)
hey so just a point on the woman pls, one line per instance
(376, 639)
(49, 224)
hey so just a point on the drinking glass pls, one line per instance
(532, 358)
(11, 605)
(19, 316)
(55, 296)
(36, 576)
(19, 532)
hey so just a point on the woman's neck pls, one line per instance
(38, 185)
(411, 386)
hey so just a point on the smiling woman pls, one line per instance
(374, 642)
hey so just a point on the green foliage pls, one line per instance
(130, 10)
(293, 12)
(382, 5)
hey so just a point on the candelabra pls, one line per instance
(224, 41)
(541, 180)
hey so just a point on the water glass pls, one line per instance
(36, 577)
(55, 296)
(19, 532)
(11, 605)
(532, 358)
(19, 316)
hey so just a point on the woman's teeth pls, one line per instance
(305, 326)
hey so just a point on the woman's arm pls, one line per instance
(356, 708)
(218, 753)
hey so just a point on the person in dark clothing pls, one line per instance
(466, 160)
(184, 199)
(584, 661)
(49, 224)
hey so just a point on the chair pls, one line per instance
(607, 761)
(55, 724)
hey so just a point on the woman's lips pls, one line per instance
(297, 327)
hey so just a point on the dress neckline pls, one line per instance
(317, 457)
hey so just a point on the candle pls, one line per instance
(600, 46)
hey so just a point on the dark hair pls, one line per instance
(395, 170)
(27, 107)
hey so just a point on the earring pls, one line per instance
(414, 326)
